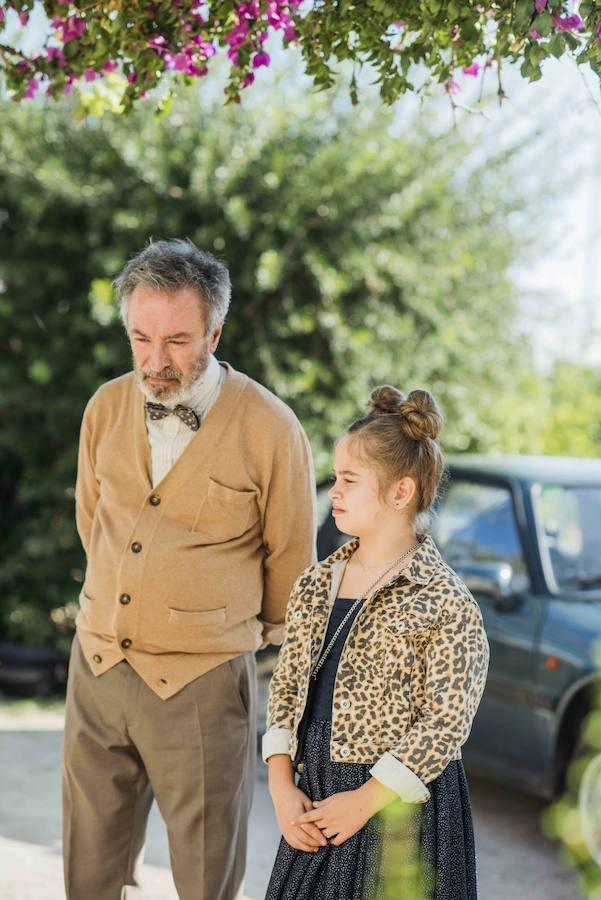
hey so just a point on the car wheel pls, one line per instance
(589, 805)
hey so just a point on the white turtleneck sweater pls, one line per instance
(169, 437)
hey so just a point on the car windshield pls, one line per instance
(569, 525)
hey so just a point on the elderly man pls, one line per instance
(195, 506)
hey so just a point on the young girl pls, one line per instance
(377, 683)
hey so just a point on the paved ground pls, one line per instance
(515, 861)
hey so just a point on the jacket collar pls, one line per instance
(420, 570)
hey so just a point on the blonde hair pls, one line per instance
(399, 437)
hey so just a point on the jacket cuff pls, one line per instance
(394, 774)
(276, 740)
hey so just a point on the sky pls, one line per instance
(558, 289)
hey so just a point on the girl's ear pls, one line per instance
(404, 492)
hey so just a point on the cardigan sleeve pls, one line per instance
(283, 687)
(87, 489)
(289, 527)
(456, 666)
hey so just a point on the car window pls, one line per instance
(476, 523)
(569, 526)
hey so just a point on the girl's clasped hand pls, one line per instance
(338, 817)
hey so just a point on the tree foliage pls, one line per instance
(362, 251)
(407, 45)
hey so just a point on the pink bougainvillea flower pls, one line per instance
(158, 43)
(33, 87)
(568, 23)
(472, 70)
(599, 31)
(110, 66)
(71, 28)
(237, 36)
(90, 75)
(261, 59)
(2, 15)
(54, 53)
(132, 76)
(451, 87)
(534, 34)
(179, 62)
(539, 5)
(248, 80)
(24, 19)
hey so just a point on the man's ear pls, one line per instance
(215, 338)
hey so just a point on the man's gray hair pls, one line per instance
(172, 265)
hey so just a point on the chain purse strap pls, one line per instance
(359, 600)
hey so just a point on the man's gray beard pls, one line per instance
(160, 393)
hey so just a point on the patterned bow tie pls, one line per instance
(188, 416)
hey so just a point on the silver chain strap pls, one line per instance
(326, 652)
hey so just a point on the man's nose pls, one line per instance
(158, 358)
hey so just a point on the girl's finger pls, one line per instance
(298, 844)
(315, 834)
(307, 817)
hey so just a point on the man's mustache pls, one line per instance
(164, 373)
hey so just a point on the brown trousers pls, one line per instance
(194, 752)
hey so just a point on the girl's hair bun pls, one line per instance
(420, 416)
(384, 400)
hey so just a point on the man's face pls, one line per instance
(169, 342)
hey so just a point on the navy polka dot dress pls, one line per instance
(407, 852)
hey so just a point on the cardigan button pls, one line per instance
(345, 704)
(345, 751)
(126, 643)
(124, 599)
(97, 658)
(155, 500)
(298, 613)
(136, 547)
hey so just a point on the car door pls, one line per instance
(479, 535)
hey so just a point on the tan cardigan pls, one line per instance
(196, 571)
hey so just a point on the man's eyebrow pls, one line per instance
(169, 337)
(346, 472)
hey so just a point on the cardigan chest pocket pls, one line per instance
(226, 513)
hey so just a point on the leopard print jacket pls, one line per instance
(411, 673)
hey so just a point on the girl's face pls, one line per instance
(357, 506)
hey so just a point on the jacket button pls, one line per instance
(345, 704)
(298, 613)
(345, 751)
(155, 500)
(351, 656)
(124, 599)
(97, 658)
(136, 547)
(126, 643)
(300, 768)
